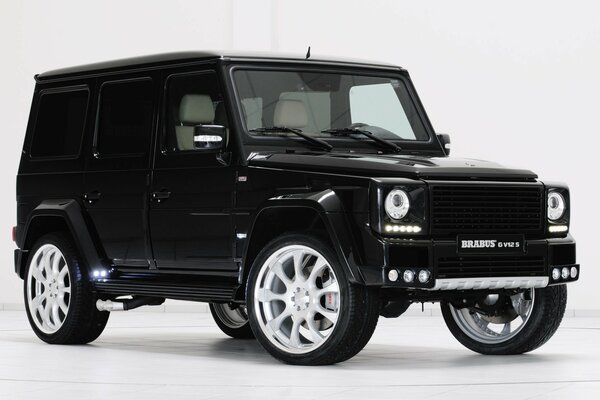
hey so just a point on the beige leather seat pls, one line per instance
(194, 109)
(291, 114)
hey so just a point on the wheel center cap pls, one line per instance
(301, 299)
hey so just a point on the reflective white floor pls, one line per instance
(183, 356)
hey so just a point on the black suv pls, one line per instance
(301, 198)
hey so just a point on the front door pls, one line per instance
(192, 190)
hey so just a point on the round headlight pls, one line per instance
(397, 204)
(556, 205)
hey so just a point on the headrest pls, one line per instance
(291, 114)
(196, 109)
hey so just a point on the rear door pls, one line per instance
(118, 174)
(192, 190)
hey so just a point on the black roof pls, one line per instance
(194, 56)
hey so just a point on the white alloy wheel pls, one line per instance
(495, 329)
(48, 288)
(297, 299)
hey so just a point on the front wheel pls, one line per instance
(301, 306)
(509, 322)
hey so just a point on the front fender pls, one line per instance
(328, 206)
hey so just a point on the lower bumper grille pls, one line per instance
(490, 266)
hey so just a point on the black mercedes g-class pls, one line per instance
(301, 198)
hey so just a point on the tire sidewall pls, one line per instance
(345, 297)
(78, 285)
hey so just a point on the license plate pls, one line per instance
(490, 244)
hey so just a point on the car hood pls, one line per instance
(383, 165)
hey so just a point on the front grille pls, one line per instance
(486, 209)
(490, 266)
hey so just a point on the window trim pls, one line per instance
(95, 153)
(59, 90)
(163, 129)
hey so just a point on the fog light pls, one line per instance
(393, 275)
(574, 272)
(408, 276)
(556, 274)
(565, 273)
(423, 276)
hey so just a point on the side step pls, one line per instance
(177, 287)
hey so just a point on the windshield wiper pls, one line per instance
(364, 132)
(298, 132)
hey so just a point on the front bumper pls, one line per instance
(450, 270)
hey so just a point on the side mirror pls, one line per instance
(444, 140)
(209, 137)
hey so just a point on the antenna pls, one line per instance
(308, 53)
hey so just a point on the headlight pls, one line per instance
(397, 204)
(556, 206)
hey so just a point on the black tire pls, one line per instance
(358, 313)
(83, 323)
(234, 328)
(546, 316)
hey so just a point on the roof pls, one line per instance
(157, 60)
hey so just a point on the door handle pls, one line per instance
(92, 197)
(160, 196)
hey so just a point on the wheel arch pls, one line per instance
(58, 215)
(320, 213)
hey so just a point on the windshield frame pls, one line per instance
(343, 143)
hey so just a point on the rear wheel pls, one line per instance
(507, 323)
(232, 319)
(301, 306)
(59, 300)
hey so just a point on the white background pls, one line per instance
(512, 81)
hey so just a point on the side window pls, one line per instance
(125, 118)
(192, 100)
(60, 124)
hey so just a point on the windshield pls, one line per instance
(326, 105)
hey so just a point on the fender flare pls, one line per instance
(330, 210)
(70, 211)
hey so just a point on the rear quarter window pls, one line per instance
(60, 124)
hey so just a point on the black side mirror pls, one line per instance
(209, 137)
(444, 140)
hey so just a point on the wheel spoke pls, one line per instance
(299, 267)
(47, 264)
(55, 314)
(63, 306)
(275, 323)
(63, 272)
(316, 336)
(506, 329)
(330, 315)
(37, 274)
(295, 333)
(36, 302)
(266, 295)
(333, 287)
(277, 269)
(56, 263)
(46, 314)
(320, 264)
